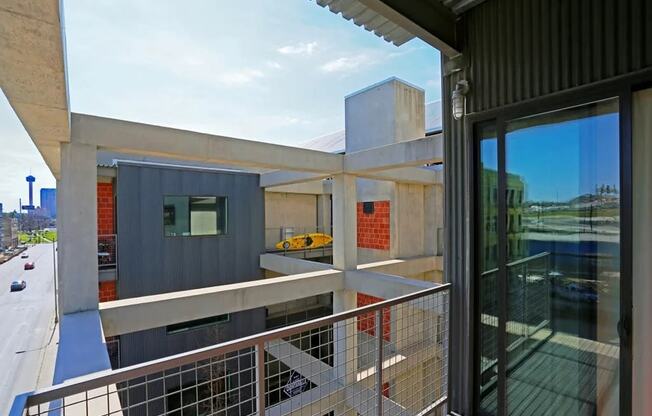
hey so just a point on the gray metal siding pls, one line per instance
(519, 50)
(150, 263)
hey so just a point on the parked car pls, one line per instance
(29, 266)
(24, 256)
(18, 285)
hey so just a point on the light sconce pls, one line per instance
(458, 98)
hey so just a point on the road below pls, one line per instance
(26, 322)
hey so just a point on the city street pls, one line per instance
(26, 322)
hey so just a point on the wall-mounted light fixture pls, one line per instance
(458, 98)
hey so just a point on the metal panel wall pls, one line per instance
(519, 50)
(150, 263)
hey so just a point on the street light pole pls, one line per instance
(54, 267)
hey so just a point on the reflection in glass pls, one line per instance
(563, 271)
(488, 262)
(203, 215)
(194, 216)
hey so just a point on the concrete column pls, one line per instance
(345, 238)
(345, 257)
(324, 213)
(345, 340)
(77, 229)
(407, 220)
(431, 222)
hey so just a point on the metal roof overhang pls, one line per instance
(399, 21)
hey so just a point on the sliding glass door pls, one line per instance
(548, 281)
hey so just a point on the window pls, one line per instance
(194, 215)
(554, 279)
(197, 323)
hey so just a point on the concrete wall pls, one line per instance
(150, 263)
(385, 113)
(298, 211)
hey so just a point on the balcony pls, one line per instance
(387, 358)
(300, 242)
(107, 251)
(107, 257)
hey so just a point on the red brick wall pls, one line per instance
(367, 322)
(105, 221)
(373, 229)
(107, 291)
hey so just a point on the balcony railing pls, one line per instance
(107, 251)
(387, 358)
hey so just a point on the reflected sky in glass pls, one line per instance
(560, 148)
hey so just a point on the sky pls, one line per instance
(267, 70)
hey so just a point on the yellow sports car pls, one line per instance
(303, 241)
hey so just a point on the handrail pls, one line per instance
(109, 377)
(518, 262)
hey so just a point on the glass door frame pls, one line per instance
(621, 88)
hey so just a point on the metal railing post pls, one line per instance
(379, 362)
(260, 377)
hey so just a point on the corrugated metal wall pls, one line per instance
(150, 263)
(519, 50)
(522, 49)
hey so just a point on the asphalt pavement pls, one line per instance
(26, 322)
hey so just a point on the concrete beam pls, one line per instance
(417, 176)
(405, 266)
(319, 187)
(289, 265)
(401, 267)
(358, 396)
(363, 400)
(144, 139)
(382, 285)
(146, 312)
(277, 179)
(402, 154)
(314, 370)
(284, 177)
(33, 72)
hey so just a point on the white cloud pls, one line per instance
(274, 65)
(347, 64)
(298, 49)
(242, 77)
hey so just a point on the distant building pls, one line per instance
(30, 186)
(9, 232)
(49, 201)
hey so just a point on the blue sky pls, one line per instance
(267, 70)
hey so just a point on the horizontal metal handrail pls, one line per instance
(518, 262)
(110, 377)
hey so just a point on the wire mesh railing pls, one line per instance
(397, 364)
(529, 284)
